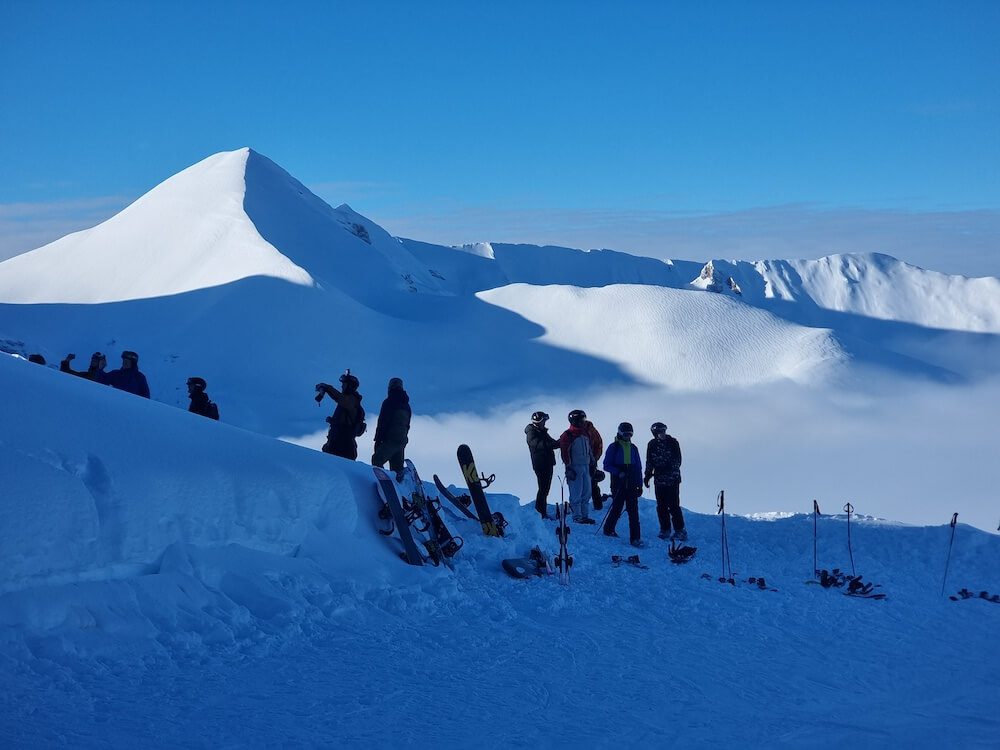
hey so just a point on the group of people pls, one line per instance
(130, 378)
(347, 423)
(580, 446)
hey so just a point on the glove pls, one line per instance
(599, 476)
(570, 473)
(646, 482)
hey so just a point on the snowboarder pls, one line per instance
(622, 463)
(542, 447)
(663, 466)
(576, 446)
(200, 402)
(95, 372)
(393, 428)
(347, 421)
(128, 377)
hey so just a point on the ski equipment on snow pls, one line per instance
(462, 502)
(388, 497)
(682, 554)
(493, 523)
(954, 521)
(442, 544)
(816, 515)
(563, 561)
(727, 561)
(632, 560)
(849, 510)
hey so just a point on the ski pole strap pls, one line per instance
(848, 509)
(721, 502)
(954, 519)
(816, 508)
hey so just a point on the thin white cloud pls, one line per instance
(960, 242)
(26, 226)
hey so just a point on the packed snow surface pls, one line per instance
(172, 581)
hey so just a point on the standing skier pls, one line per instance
(542, 447)
(393, 429)
(623, 464)
(128, 377)
(347, 421)
(577, 449)
(663, 465)
(95, 372)
(201, 404)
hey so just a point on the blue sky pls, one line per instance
(626, 125)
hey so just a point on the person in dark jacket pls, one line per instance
(128, 378)
(347, 418)
(663, 466)
(623, 464)
(392, 432)
(94, 372)
(200, 402)
(542, 447)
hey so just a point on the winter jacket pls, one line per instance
(346, 417)
(541, 445)
(130, 380)
(576, 447)
(663, 461)
(91, 373)
(596, 443)
(623, 457)
(394, 419)
(201, 404)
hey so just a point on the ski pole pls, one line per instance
(850, 509)
(954, 521)
(815, 535)
(724, 541)
(614, 496)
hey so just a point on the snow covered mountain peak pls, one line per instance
(231, 216)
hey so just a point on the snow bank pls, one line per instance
(98, 484)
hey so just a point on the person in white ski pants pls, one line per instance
(577, 455)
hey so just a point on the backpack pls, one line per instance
(212, 411)
(360, 425)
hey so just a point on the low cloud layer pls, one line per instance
(26, 226)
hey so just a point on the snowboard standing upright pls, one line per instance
(390, 499)
(492, 525)
(442, 544)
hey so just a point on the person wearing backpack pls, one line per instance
(347, 422)
(577, 449)
(392, 432)
(200, 402)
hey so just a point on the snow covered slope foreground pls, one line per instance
(185, 583)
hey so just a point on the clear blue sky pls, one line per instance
(468, 117)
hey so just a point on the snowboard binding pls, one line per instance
(682, 554)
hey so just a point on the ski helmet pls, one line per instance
(349, 382)
(539, 417)
(658, 428)
(577, 417)
(395, 384)
(198, 384)
(128, 356)
(625, 430)
(98, 360)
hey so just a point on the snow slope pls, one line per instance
(170, 581)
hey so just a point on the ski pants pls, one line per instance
(579, 490)
(340, 446)
(597, 495)
(668, 507)
(544, 476)
(624, 498)
(394, 453)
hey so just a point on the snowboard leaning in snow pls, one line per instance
(492, 523)
(390, 504)
(462, 503)
(424, 513)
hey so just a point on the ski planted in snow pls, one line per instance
(564, 560)
(462, 502)
(389, 505)
(493, 523)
